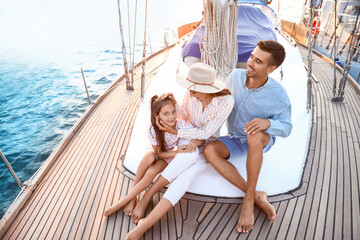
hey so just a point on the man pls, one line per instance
(262, 111)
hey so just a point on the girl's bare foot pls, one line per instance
(139, 211)
(110, 210)
(129, 207)
(116, 207)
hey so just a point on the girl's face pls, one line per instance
(168, 114)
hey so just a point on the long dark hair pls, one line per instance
(223, 92)
(156, 103)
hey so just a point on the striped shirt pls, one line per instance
(207, 123)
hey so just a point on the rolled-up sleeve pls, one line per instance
(280, 124)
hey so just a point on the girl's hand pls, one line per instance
(191, 147)
(182, 149)
(170, 95)
(165, 128)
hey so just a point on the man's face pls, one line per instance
(258, 64)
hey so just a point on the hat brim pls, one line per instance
(217, 86)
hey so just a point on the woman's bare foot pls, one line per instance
(137, 232)
(262, 202)
(139, 211)
(116, 207)
(246, 219)
(129, 207)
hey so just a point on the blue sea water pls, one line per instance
(43, 45)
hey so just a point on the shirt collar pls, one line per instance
(256, 89)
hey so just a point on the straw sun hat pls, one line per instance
(201, 78)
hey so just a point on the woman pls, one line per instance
(206, 106)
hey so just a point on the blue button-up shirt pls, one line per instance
(269, 101)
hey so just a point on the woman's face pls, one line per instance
(168, 114)
(199, 95)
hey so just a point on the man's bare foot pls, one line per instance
(114, 208)
(139, 211)
(137, 232)
(262, 202)
(246, 219)
(129, 207)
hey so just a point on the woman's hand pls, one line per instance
(191, 147)
(170, 95)
(164, 127)
(182, 149)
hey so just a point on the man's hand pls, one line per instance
(256, 125)
(170, 95)
(164, 127)
(191, 147)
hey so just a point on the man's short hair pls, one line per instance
(276, 50)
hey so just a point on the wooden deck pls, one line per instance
(88, 176)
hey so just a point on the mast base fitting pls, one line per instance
(337, 99)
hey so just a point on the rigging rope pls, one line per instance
(129, 86)
(220, 43)
(133, 56)
(129, 27)
(143, 60)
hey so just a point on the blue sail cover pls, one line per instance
(260, 2)
(252, 26)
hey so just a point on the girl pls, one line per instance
(162, 152)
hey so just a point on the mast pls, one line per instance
(128, 84)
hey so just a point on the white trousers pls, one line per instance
(180, 162)
(180, 185)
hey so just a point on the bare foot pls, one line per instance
(137, 232)
(114, 208)
(262, 202)
(139, 211)
(246, 219)
(129, 207)
(110, 210)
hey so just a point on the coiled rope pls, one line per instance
(220, 42)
